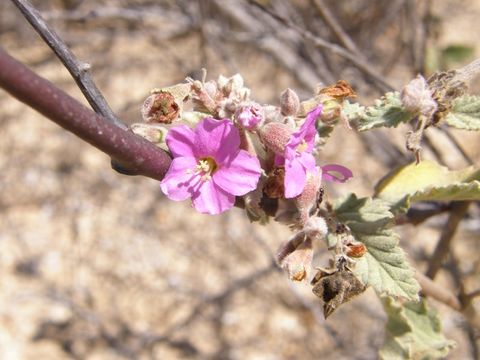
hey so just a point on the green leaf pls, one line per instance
(386, 112)
(428, 181)
(352, 110)
(413, 331)
(465, 113)
(457, 53)
(384, 266)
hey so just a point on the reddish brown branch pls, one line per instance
(78, 70)
(131, 151)
(457, 212)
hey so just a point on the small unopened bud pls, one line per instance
(151, 132)
(298, 263)
(249, 116)
(229, 85)
(417, 97)
(160, 108)
(275, 136)
(308, 198)
(289, 103)
(272, 114)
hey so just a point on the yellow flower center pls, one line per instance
(206, 167)
(302, 147)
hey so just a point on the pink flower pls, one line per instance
(297, 158)
(208, 166)
(330, 172)
(249, 116)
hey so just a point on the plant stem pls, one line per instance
(457, 211)
(78, 70)
(139, 156)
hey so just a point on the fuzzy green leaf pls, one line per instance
(384, 266)
(386, 112)
(465, 113)
(352, 110)
(413, 331)
(428, 181)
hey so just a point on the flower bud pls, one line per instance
(229, 85)
(298, 263)
(417, 97)
(249, 116)
(308, 198)
(160, 108)
(151, 132)
(272, 114)
(275, 136)
(289, 103)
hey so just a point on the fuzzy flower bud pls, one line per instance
(229, 85)
(275, 136)
(249, 115)
(295, 257)
(308, 198)
(151, 132)
(289, 103)
(160, 108)
(417, 97)
(272, 114)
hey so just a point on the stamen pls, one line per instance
(206, 167)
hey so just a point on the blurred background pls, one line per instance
(97, 265)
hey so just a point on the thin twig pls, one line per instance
(457, 212)
(336, 28)
(421, 212)
(78, 70)
(439, 293)
(457, 145)
(135, 153)
(334, 48)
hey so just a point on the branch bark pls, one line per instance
(78, 70)
(457, 212)
(134, 153)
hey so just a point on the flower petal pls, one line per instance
(295, 178)
(308, 162)
(308, 127)
(178, 183)
(210, 199)
(216, 138)
(180, 141)
(240, 175)
(331, 172)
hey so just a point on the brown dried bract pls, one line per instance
(336, 287)
(356, 250)
(160, 108)
(274, 186)
(340, 90)
(446, 88)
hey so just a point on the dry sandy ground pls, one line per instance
(97, 265)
